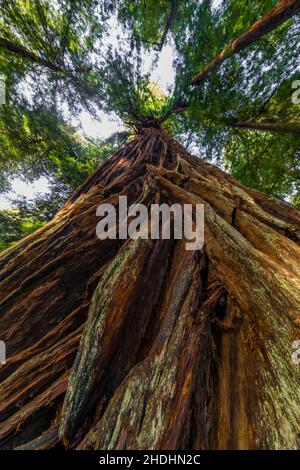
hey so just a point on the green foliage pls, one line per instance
(64, 37)
(35, 143)
(249, 156)
(14, 225)
(268, 161)
(65, 172)
(146, 20)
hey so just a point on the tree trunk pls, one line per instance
(140, 344)
(284, 10)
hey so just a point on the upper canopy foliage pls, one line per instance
(61, 56)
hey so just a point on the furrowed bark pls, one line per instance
(127, 280)
(141, 344)
(44, 442)
(152, 404)
(284, 10)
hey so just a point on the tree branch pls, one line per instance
(282, 128)
(168, 24)
(25, 53)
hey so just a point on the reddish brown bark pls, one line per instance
(164, 348)
(284, 10)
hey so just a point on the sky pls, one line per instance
(106, 125)
(163, 75)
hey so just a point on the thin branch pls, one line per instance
(283, 11)
(281, 128)
(168, 24)
(22, 51)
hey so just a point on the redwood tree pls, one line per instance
(141, 344)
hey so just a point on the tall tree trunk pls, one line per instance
(130, 344)
(284, 10)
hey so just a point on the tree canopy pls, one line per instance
(235, 66)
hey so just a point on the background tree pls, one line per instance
(35, 143)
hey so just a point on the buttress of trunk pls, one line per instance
(141, 344)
